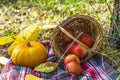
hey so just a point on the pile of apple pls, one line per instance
(75, 52)
(72, 64)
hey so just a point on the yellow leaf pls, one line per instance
(32, 77)
(34, 14)
(46, 67)
(6, 39)
(30, 33)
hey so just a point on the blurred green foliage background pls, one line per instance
(15, 15)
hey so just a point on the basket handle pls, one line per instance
(73, 38)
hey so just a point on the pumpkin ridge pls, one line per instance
(29, 56)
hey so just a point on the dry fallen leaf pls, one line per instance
(32, 77)
(6, 39)
(46, 67)
(30, 33)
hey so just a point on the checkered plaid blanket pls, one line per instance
(93, 69)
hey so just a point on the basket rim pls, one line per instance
(98, 40)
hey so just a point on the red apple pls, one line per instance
(74, 67)
(70, 58)
(69, 47)
(79, 50)
(87, 40)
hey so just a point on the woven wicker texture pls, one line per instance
(78, 24)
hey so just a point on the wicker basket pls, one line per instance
(78, 23)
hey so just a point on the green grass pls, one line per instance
(54, 11)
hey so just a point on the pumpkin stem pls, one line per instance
(28, 44)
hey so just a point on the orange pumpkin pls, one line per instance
(29, 54)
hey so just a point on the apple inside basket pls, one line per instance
(78, 34)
